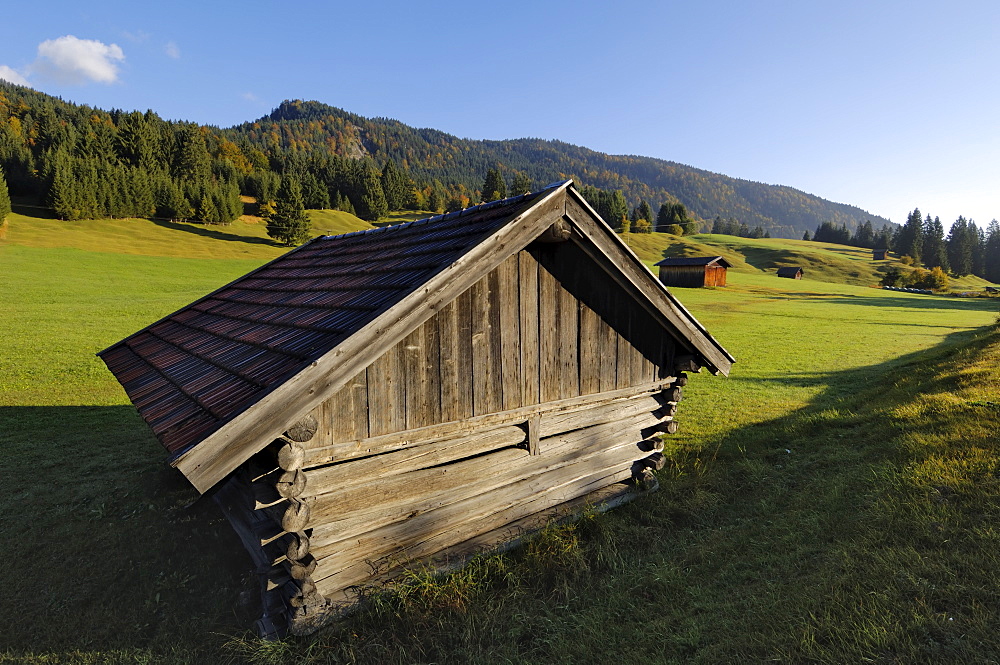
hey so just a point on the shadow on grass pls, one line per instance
(214, 233)
(112, 551)
(816, 529)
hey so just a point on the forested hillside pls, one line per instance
(430, 154)
(90, 163)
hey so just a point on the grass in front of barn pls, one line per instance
(832, 501)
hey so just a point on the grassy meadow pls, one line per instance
(835, 500)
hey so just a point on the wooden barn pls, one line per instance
(694, 271)
(880, 254)
(791, 273)
(417, 393)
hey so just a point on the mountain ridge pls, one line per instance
(431, 153)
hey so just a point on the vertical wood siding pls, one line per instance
(542, 326)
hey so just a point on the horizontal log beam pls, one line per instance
(457, 524)
(338, 452)
(410, 498)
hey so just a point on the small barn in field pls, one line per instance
(880, 254)
(791, 273)
(694, 271)
(417, 393)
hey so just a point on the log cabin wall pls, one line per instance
(540, 384)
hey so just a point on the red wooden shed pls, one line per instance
(694, 271)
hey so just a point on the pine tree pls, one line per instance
(675, 213)
(618, 210)
(864, 236)
(63, 195)
(289, 222)
(494, 186)
(961, 254)
(192, 161)
(934, 251)
(208, 212)
(911, 239)
(643, 211)
(522, 184)
(805, 236)
(371, 205)
(396, 186)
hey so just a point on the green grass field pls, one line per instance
(835, 500)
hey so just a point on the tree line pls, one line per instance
(966, 249)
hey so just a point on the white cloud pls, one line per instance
(173, 50)
(12, 76)
(76, 61)
(250, 97)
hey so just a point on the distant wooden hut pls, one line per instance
(791, 273)
(417, 393)
(694, 271)
(880, 254)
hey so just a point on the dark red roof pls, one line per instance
(193, 371)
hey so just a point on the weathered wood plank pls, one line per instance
(417, 397)
(386, 393)
(428, 435)
(429, 532)
(432, 371)
(609, 356)
(339, 477)
(590, 351)
(456, 359)
(359, 405)
(605, 497)
(642, 371)
(623, 374)
(448, 352)
(481, 366)
(410, 495)
(331, 584)
(622, 410)
(510, 334)
(528, 306)
(495, 392)
(569, 344)
(549, 335)
(339, 421)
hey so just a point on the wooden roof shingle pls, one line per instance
(192, 371)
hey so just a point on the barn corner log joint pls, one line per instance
(417, 392)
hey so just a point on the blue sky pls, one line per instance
(881, 104)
